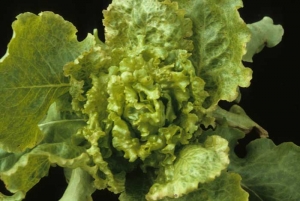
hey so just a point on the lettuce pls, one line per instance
(139, 114)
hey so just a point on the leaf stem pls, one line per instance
(236, 117)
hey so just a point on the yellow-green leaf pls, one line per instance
(195, 164)
(31, 75)
(220, 37)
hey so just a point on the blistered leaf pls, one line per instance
(93, 71)
(101, 171)
(227, 186)
(137, 100)
(220, 37)
(148, 26)
(80, 72)
(31, 75)
(263, 33)
(147, 99)
(195, 164)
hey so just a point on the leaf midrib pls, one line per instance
(40, 86)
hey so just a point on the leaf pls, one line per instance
(80, 72)
(270, 172)
(15, 197)
(223, 188)
(92, 69)
(148, 27)
(101, 170)
(26, 173)
(136, 186)
(34, 165)
(195, 164)
(21, 171)
(7, 160)
(219, 38)
(263, 33)
(267, 170)
(148, 98)
(223, 129)
(57, 128)
(31, 75)
(236, 117)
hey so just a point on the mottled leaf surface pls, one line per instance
(193, 166)
(268, 172)
(31, 75)
(219, 38)
(225, 187)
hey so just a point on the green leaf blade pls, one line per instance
(193, 166)
(140, 24)
(225, 187)
(264, 33)
(31, 75)
(26, 173)
(219, 37)
(270, 172)
(20, 174)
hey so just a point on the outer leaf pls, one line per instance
(21, 171)
(267, 170)
(26, 173)
(270, 172)
(7, 160)
(237, 118)
(220, 37)
(195, 164)
(31, 75)
(263, 33)
(15, 197)
(223, 188)
(223, 129)
(59, 127)
(34, 165)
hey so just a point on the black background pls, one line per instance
(272, 99)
